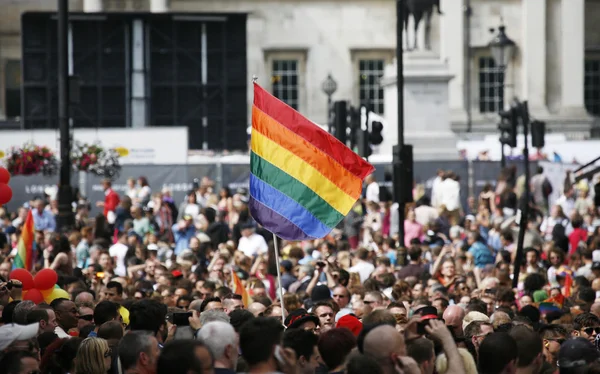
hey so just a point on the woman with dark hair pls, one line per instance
(144, 193)
(59, 255)
(226, 201)
(101, 229)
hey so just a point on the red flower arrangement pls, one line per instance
(31, 159)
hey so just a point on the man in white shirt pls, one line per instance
(118, 251)
(251, 243)
(435, 189)
(372, 193)
(450, 196)
(363, 267)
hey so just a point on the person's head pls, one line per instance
(373, 300)
(19, 362)
(93, 356)
(222, 341)
(207, 290)
(113, 292)
(42, 316)
(105, 311)
(529, 345)
(575, 355)
(448, 268)
(258, 338)
(553, 336)
(498, 354)
(66, 313)
(586, 325)
(453, 316)
(185, 356)
(334, 346)
(386, 345)
(304, 344)
(21, 311)
(422, 351)
(476, 332)
(341, 296)
(326, 315)
(211, 303)
(232, 302)
(112, 331)
(84, 297)
(138, 350)
(149, 315)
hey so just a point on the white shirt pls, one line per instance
(253, 245)
(372, 193)
(450, 194)
(364, 270)
(119, 251)
(435, 192)
(567, 205)
(61, 333)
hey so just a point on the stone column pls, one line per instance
(452, 50)
(92, 6)
(533, 71)
(572, 56)
(159, 6)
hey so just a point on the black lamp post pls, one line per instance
(329, 87)
(503, 50)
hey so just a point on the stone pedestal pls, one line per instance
(426, 108)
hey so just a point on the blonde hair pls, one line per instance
(90, 357)
(441, 362)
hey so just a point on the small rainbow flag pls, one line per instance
(303, 181)
(239, 289)
(25, 250)
(547, 307)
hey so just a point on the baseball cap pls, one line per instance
(152, 247)
(12, 332)
(427, 313)
(298, 317)
(351, 323)
(577, 352)
(474, 316)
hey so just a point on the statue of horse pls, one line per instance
(420, 10)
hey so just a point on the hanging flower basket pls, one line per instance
(31, 159)
(95, 159)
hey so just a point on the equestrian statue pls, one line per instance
(420, 10)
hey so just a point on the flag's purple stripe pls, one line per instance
(275, 222)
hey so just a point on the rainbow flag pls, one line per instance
(303, 181)
(25, 250)
(239, 289)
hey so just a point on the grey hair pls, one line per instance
(131, 345)
(217, 336)
(212, 316)
(306, 269)
(21, 310)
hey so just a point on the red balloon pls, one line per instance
(45, 279)
(24, 276)
(5, 193)
(4, 175)
(34, 295)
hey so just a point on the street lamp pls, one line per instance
(329, 87)
(502, 47)
(503, 50)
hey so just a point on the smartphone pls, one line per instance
(181, 319)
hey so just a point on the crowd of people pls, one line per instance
(163, 286)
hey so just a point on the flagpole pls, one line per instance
(277, 266)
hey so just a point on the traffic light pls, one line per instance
(355, 129)
(508, 127)
(376, 133)
(340, 120)
(538, 131)
(403, 173)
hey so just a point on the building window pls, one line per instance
(12, 85)
(592, 86)
(491, 87)
(284, 80)
(370, 91)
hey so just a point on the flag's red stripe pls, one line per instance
(297, 123)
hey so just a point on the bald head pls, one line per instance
(453, 315)
(382, 342)
(595, 309)
(84, 297)
(256, 309)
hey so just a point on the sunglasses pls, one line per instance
(558, 340)
(87, 317)
(590, 330)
